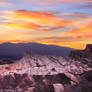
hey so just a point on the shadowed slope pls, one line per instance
(16, 51)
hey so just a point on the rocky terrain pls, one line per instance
(35, 73)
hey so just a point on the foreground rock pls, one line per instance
(48, 83)
(82, 54)
(35, 73)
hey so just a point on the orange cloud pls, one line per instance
(47, 21)
(76, 43)
(82, 34)
(82, 31)
(64, 41)
(41, 18)
(38, 21)
(77, 38)
(29, 26)
(16, 36)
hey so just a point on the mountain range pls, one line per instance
(16, 51)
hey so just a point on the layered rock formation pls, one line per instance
(79, 54)
(35, 73)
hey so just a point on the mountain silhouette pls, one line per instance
(16, 51)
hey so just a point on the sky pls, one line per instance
(54, 22)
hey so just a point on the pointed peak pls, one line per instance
(28, 53)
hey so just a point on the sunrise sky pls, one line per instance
(55, 22)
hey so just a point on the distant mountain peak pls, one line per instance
(14, 51)
(28, 53)
(89, 47)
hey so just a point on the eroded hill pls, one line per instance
(36, 73)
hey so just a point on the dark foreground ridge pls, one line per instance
(35, 73)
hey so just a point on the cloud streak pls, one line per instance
(36, 21)
(68, 27)
(84, 31)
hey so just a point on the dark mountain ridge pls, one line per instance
(16, 51)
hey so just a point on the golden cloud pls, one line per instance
(38, 21)
(47, 21)
(84, 31)
(77, 38)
